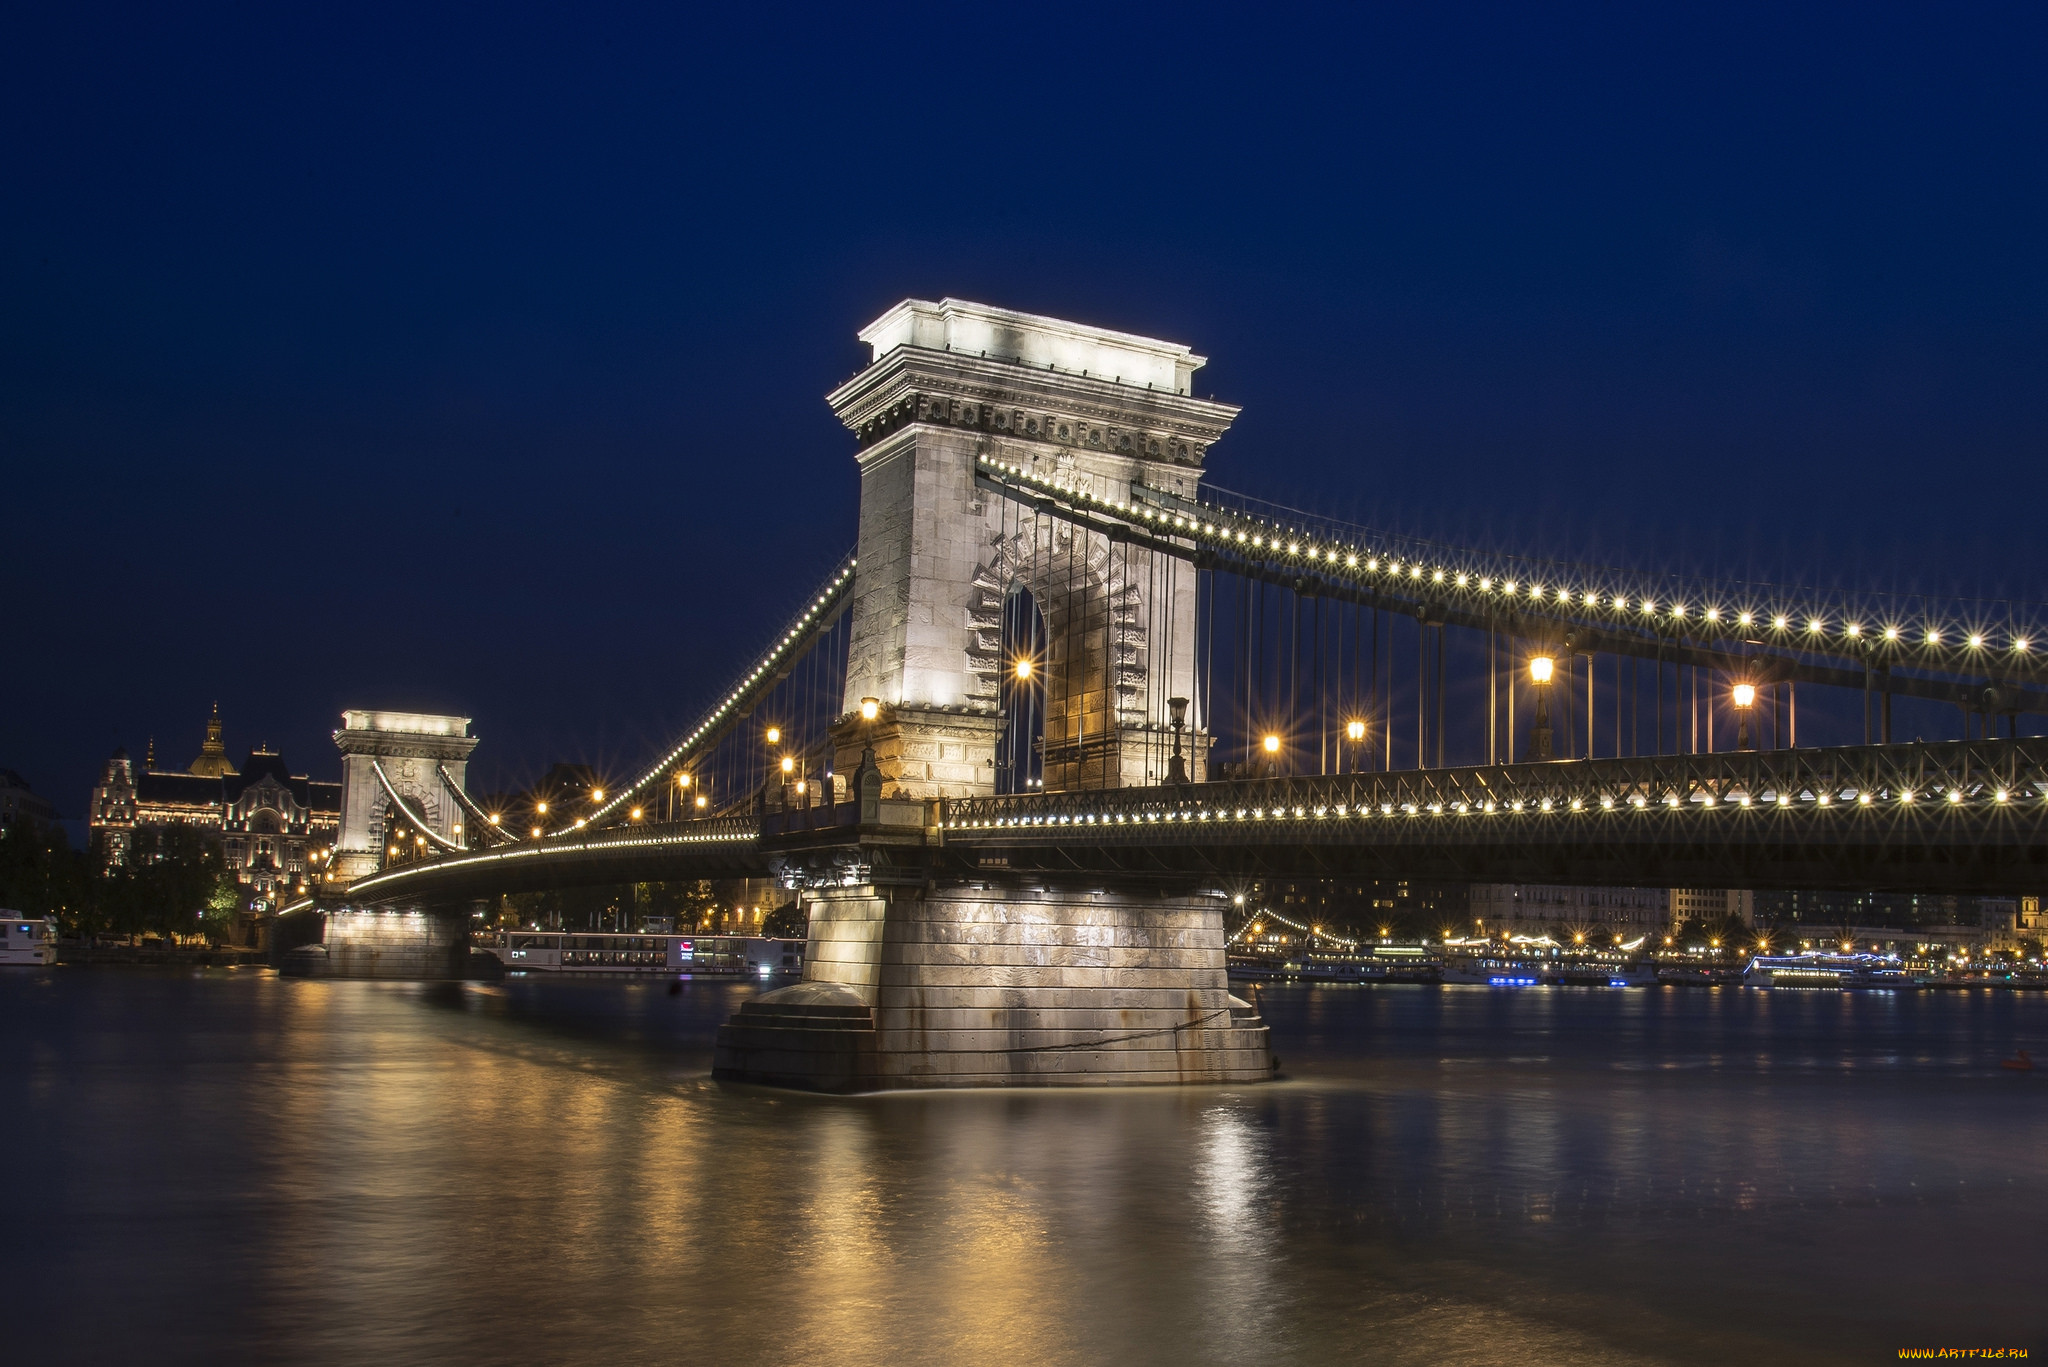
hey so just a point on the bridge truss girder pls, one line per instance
(1962, 816)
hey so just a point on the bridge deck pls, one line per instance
(1957, 816)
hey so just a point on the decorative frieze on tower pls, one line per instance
(953, 383)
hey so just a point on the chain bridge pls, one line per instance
(1011, 751)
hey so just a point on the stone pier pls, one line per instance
(924, 982)
(988, 986)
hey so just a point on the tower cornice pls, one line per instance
(1005, 398)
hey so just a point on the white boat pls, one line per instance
(28, 939)
(553, 951)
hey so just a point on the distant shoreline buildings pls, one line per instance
(19, 802)
(270, 825)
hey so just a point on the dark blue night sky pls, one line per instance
(473, 359)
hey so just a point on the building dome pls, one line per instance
(213, 755)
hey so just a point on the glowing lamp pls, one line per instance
(870, 708)
(774, 735)
(788, 765)
(1272, 745)
(1540, 669)
(1354, 730)
(1745, 694)
(1023, 669)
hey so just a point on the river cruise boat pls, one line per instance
(29, 940)
(1699, 975)
(1493, 972)
(1576, 970)
(1347, 968)
(597, 952)
(1828, 972)
(1602, 971)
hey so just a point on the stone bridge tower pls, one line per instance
(955, 382)
(413, 749)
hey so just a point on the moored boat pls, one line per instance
(28, 940)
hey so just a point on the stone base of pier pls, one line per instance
(409, 945)
(982, 986)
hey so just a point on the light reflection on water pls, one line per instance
(230, 1165)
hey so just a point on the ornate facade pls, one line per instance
(267, 821)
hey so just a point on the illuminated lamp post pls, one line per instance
(1744, 695)
(1271, 745)
(1176, 766)
(1354, 731)
(773, 736)
(1540, 670)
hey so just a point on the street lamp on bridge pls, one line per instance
(1744, 695)
(1540, 669)
(1177, 713)
(1354, 731)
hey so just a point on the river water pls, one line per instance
(226, 1166)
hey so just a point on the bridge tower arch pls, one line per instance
(952, 384)
(1020, 748)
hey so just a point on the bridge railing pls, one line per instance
(717, 830)
(1947, 776)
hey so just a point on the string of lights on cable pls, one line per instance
(823, 607)
(1794, 620)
